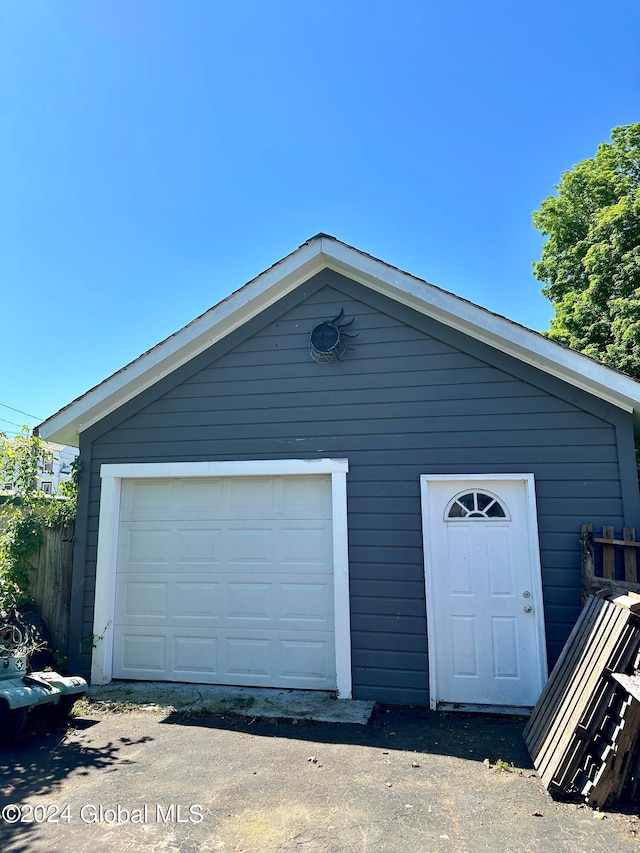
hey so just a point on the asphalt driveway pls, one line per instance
(411, 781)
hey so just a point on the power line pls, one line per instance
(13, 423)
(20, 412)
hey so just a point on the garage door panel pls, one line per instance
(141, 653)
(251, 497)
(250, 545)
(156, 548)
(249, 656)
(305, 547)
(149, 545)
(286, 601)
(199, 499)
(184, 599)
(193, 545)
(231, 657)
(304, 659)
(242, 497)
(301, 501)
(196, 599)
(161, 655)
(147, 499)
(194, 655)
(143, 600)
(300, 661)
(249, 601)
(226, 581)
(302, 604)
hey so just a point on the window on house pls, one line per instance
(475, 505)
(48, 466)
(47, 487)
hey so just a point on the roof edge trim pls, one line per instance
(285, 276)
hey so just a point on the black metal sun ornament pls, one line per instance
(328, 340)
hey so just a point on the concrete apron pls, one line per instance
(271, 703)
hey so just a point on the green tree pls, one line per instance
(20, 460)
(23, 519)
(590, 263)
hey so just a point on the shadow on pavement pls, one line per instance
(39, 761)
(468, 737)
(473, 737)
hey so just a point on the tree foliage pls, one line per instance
(24, 519)
(20, 459)
(590, 264)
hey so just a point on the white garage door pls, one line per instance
(226, 581)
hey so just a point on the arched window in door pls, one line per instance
(475, 504)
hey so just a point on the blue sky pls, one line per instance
(155, 155)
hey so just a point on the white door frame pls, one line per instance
(112, 476)
(534, 556)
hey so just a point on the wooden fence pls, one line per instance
(609, 560)
(50, 583)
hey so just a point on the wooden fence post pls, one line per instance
(608, 553)
(586, 545)
(630, 564)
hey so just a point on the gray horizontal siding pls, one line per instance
(367, 419)
(413, 397)
(350, 405)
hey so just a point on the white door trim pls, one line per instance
(112, 476)
(534, 556)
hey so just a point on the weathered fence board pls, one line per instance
(50, 583)
(630, 559)
(614, 562)
(608, 553)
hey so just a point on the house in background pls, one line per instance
(57, 466)
(53, 469)
(342, 477)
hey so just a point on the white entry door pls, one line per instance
(484, 592)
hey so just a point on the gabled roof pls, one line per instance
(318, 253)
